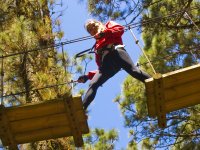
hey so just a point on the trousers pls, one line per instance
(112, 63)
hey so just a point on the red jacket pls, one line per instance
(112, 35)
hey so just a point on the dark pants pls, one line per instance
(112, 63)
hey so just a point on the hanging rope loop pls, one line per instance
(87, 51)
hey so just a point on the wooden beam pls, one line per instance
(5, 132)
(160, 100)
(39, 123)
(74, 126)
(151, 103)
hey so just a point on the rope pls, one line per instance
(186, 14)
(137, 42)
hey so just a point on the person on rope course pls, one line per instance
(110, 56)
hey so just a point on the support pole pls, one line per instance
(2, 76)
(160, 100)
(75, 129)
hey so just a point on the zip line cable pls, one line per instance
(129, 26)
(132, 25)
(50, 46)
(42, 88)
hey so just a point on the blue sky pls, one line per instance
(104, 113)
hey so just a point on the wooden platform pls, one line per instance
(47, 120)
(172, 91)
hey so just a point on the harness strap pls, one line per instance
(84, 52)
(108, 49)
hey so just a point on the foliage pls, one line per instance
(170, 43)
(170, 30)
(31, 71)
(99, 139)
(118, 9)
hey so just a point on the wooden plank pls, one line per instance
(178, 77)
(6, 134)
(175, 92)
(43, 122)
(39, 123)
(3, 134)
(44, 134)
(183, 102)
(160, 100)
(181, 76)
(181, 89)
(38, 109)
(35, 110)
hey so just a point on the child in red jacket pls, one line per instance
(110, 57)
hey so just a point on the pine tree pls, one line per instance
(170, 43)
(28, 67)
(99, 139)
(170, 30)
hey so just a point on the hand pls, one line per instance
(82, 79)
